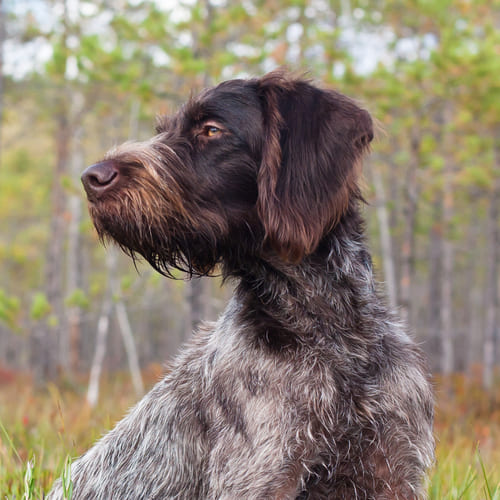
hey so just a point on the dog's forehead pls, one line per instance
(234, 102)
(243, 90)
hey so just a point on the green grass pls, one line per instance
(40, 432)
(454, 478)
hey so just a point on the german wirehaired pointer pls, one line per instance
(306, 387)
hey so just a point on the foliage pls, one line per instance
(427, 71)
(41, 431)
(40, 306)
(78, 298)
(9, 309)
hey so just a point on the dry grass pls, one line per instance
(41, 430)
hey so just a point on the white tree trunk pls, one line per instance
(102, 334)
(99, 353)
(195, 305)
(70, 337)
(128, 341)
(447, 351)
(407, 245)
(492, 299)
(385, 237)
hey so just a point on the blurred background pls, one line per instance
(77, 77)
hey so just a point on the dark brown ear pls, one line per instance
(314, 140)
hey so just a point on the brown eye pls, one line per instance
(211, 131)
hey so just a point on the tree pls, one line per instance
(432, 91)
(2, 38)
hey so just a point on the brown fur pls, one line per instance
(307, 387)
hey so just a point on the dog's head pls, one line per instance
(251, 167)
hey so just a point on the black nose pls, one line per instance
(98, 178)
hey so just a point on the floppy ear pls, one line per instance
(313, 143)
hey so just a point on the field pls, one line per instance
(40, 431)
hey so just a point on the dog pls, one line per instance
(307, 386)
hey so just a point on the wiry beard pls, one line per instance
(150, 215)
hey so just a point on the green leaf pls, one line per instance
(40, 306)
(9, 308)
(78, 298)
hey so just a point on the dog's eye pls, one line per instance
(212, 130)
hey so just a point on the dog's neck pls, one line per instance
(293, 301)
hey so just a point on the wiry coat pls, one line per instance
(306, 386)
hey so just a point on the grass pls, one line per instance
(40, 432)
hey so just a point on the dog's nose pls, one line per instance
(98, 178)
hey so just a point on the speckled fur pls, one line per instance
(307, 387)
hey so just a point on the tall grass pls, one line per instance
(40, 432)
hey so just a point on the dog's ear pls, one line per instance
(313, 143)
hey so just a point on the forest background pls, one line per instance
(77, 77)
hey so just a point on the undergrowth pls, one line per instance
(41, 431)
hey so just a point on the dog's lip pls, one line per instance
(91, 197)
